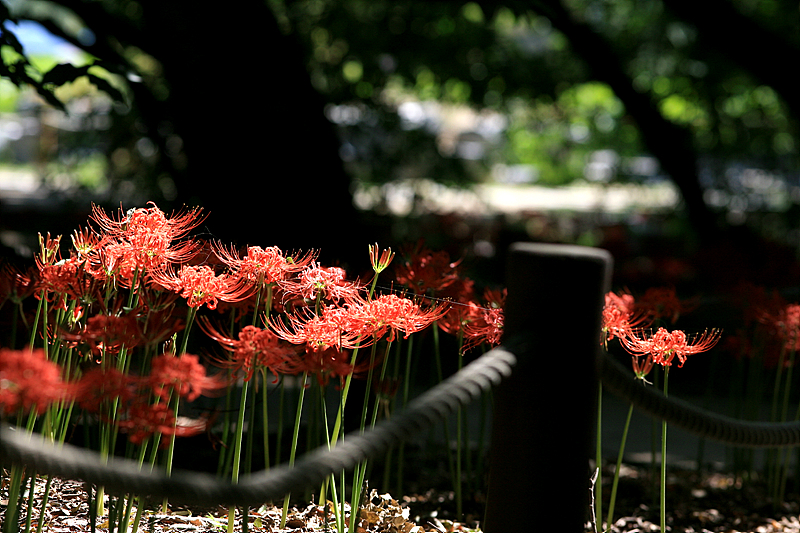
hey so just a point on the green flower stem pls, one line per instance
(438, 359)
(292, 452)
(224, 452)
(237, 451)
(663, 506)
(151, 461)
(406, 381)
(361, 470)
(611, 504)
(251, 420)
(41, 309)
(190, 314)
(265, 417)
(338, 514)
(338, 423)
(279, 432)
(174, 400)
(15, 484)
(459, 433)
(45, 498)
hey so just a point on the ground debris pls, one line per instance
(68, 512)
(697, 503)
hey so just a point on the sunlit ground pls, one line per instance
(402, 198)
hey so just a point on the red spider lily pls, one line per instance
(663, 346)
(199, 285)
(62, 278)
(86, 242)
(148, 226)
(29, 381)
(485, 325)
(145, 238)
(477, 323)
(88, 246)
(391, 313)
(461, 294)
(315, 281)
(642, 366)
(620, 316)
(425, 271)
(159, 325)
(99, 385)
(784, 325)
(333, 328)
(662, 302)
(16, 284)
(49, 251)
(382, 262)
(263, 265)
(143, 420)
(756, 303)
(254, 348)
(106, 334)
(330, 363)
(182, 374)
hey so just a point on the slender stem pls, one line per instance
(609, 520)
(459, 440)
(265, 417)
(174, 400)
(237, 451)
(292, 452)
(446, 427)
(279, 432)
(406, 381)
(663, 510)
(190, 314)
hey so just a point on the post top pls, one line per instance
(564, 250)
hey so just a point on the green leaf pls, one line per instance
(106, 87)
(9, 38)
(64, 73)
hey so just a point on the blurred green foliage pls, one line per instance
(513, 59)
(447, 90)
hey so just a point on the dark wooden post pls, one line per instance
(544, 414)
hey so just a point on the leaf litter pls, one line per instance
(68, 512)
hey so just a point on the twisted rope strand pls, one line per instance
(123, 476)
(746, 434)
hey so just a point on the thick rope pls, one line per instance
(124, 476)
(690, 418)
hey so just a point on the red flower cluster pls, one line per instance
(785, 325)
(255, 348)
(182, 375)
(326, 283)
(120, 289)
(619, 316)
(263, 266)
(663, 346)
(135, 412)
(426, 272)
(140, 240)
(199, 285)
(625, 318)
(29, 381)
(106, 334)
